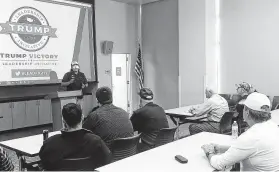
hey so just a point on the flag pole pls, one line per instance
(140, 45)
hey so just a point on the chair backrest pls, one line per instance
(165, 135)
(226, 122)
(226, 96)
(124, 147)
(275, 102)
(149, 138)
(239, 109)
(76, 164)
(234, 99)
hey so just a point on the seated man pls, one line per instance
(257, 149)
(5, 162)
(149, 119)
(74, 142)
(108, 121)
(213, 110)
(243, 90)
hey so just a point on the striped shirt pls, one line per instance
(214, 108)
(5, 162)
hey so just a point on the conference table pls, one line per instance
(162, 158)
(178, 114)
(183, 112)
(26, 146)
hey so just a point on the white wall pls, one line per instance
(211, 46)
(116, 22)
(192, 58)
(249, 44)
(179, 38)
(84, 53)
(160, 51)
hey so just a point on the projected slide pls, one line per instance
(37, 41)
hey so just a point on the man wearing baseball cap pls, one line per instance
(108, 121)
(74, 80)
(149, 119)
(243, 90)
(258, 148)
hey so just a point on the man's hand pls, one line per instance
(192, 109)
(219, 148)
(216, 147)
(208, 148)
(84, 85)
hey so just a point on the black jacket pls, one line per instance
(149, 120)
(76, 144)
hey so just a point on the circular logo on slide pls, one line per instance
(29, 29)
(28, 18)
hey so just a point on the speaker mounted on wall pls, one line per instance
(107, 47)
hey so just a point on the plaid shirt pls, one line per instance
(5, 162)
(109, 122)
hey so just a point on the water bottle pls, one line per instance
(234, 130)
(45, 134)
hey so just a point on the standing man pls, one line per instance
(74, 80)
(149, 119)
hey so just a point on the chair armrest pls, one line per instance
(192, 120)
(199, 118)
(227, 133)
(33, 162)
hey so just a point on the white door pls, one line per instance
(121, 80)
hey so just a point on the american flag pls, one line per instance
(139, 69)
